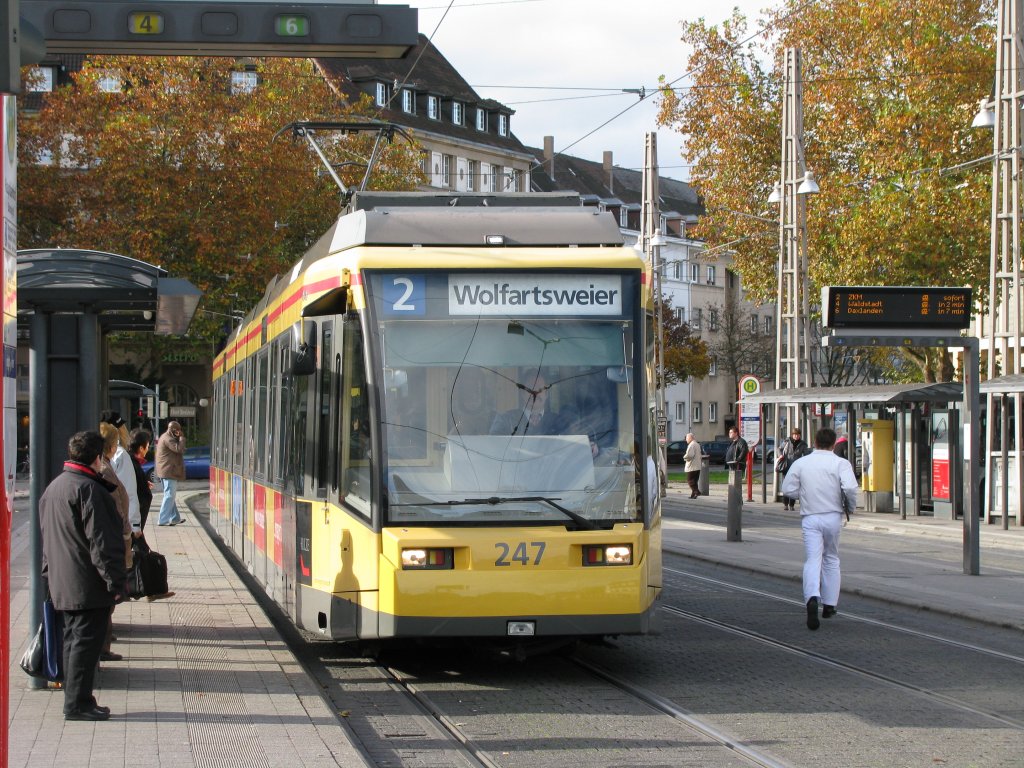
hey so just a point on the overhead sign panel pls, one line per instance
(183, 28)
(895, 307)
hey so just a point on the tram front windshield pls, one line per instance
(501, 420)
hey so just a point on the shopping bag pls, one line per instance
(151, 568)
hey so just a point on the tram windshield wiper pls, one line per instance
(580, 520)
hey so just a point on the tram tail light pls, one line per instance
(607, 554)
(432, 559)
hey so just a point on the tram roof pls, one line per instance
(463, 226)
(941, 392)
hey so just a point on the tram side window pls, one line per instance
(237, 427)
(298, 434)
(322, 438)
(262, 406)
(273, 400)
(249, 426)
(356, 450)
(284, 382)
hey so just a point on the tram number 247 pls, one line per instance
(521, 554)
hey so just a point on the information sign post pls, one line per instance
(885, 316)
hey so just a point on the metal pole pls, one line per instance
(972, 448)
(901, 465)
(1004, 471)
(734, 510)
(39, 385)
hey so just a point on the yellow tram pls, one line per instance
(437, 425)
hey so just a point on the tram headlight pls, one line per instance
(608, 554)
(423, 558)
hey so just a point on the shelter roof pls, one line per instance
(1008, 384)
(120, 289)
(942, 392)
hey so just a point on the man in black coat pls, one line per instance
(736, 453)
(83, 562)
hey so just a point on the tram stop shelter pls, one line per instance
(68, 301)
(1007, 496)
(907, 400)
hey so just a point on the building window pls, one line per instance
(471, 172)
(711, 275)
(695, 318)
(481, 120)
(40, 80)
(712, 413)
(243, 82)
(681, 314)
(695, 273)
(433, 107)
(695, 417)
(753, 325)
(732, 278)
(713, 368)
(623, 217)
(681, 411)
(767, 325)
(110, 81)
(503, 125)
(495, 176)
(677, 270)
(457, 115)
(712, 319)
(446, 170)
(382, 95)
(408, 102)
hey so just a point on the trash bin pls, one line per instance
(705, 468)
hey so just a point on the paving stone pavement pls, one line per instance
(206, 681)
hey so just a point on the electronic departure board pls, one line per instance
(895, 307)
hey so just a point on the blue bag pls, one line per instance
(53, 636)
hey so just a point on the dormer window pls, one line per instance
(110, 81)
(40, 80)
(481, 120)
(382, 95)
(243, 82)
(503, 125)
(433, 107)
(408, 101)
(457, 115)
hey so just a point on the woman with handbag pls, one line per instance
(792, 449)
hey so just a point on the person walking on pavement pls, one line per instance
(736, 453)
(691, 463)
(793, 448)
(83, 564)
(170, 468)
(821, 481)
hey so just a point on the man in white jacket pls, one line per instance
(821, 480)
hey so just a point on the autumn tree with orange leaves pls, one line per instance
(178, 170)
(889, 92)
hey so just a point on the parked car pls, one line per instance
(197, 464)
(675, 451)
(713, 449)
(759, 449)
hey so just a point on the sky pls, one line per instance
(539, 57)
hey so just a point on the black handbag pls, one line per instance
(33, 661)
(44, 656)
